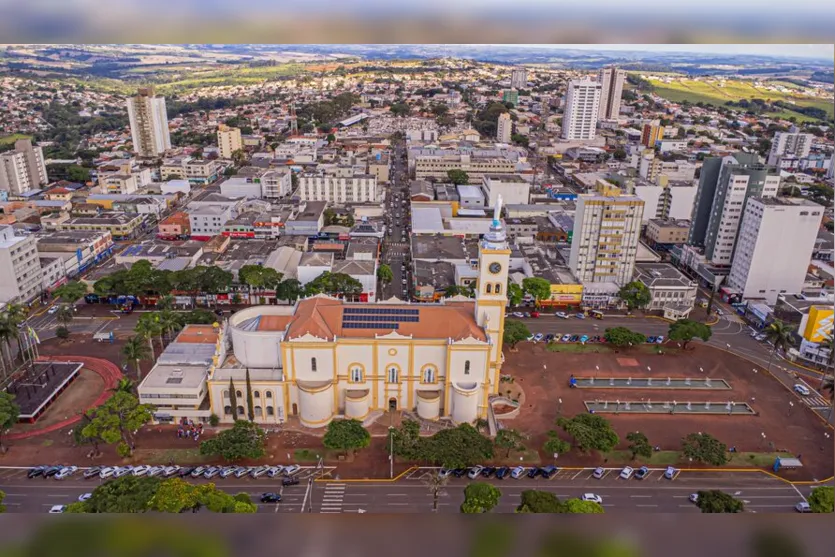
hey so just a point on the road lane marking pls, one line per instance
(577, 474)
(640, 496)
(798, 492)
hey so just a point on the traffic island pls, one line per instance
(729, 408)
(643, 383)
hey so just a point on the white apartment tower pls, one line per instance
(582, 104)
(611, 90)
(23, 168)
(228, 140)
(605, 241)
(519, 78)
(830, 174)
(20, 267)
(789, 144)
(148, 123)
(774, 247)
(504, 127)
(338, 189)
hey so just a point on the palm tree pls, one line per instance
(147, 330)
(7, 332)
(165, 302)
(436, 484)
(16, 316)
(780, 336)
(64, 315)
(135, 350)
(125, 385)
(169, 322)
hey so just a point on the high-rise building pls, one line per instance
(724, 187)
(830, 174)
(504, 127)
(611, 89)
(148, 123)
(789, 144)
(774, 247)
(228, 140)
(582, 104)
(651, 133)
(23, 168)
(510, 96)
(20, 267)
(519, 78)
(604, 244)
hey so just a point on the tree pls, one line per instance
(509, 439)
(541, 502)
(538, 288)
(621, 336)
(384, 274)
(635, 295)
(703, 447)
(135, 350)
(70, 292)
(639, 444)
(590, 432)
(2, 506)
(233, 400)
(124, 385)
(458, 176)
(405, 440)
(400, 109)
(290, 290)
(514, 332)
(238, 156)
(9, 413)
(250, 407)
(821, 500)
(685, 330)
(480, 497)
(578, 506)
(619, 154)
(715, 501)
(243, 440)
(331, 138)
(346, 435)
(118, 420)
(436, 483)
(779, 334)
(64, 315)
(515, 294)
(78, 174)
(62, 333)
(128, 494)
(555, 445)
(457, 447)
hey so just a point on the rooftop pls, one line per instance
(661, 275)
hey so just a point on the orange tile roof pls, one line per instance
(198, 334)
(322, 317)
(274, 322)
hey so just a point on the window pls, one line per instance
(227, 410)
(489, 289)
(313, 364)
(428, 375)
(256, 394)
(356, 375)
(393, 375)
(240, 410)
(258, 412)
(467, 367)
(269, 394)
(270, 411)
(226, 393)
(498, 289)
(238, 394)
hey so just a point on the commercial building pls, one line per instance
(124, 180)
(582, 106)
(476, 167)
(774, 247)
(504, 127)
(815, 329)
(228, 141)
(671, 291)
(148, 123)
(667, 200)
(357, 188)
(519, 78)
(513, 189)
(651, 168)
(652, 132)
(176, 226)
(379, 166)
(830, 173)
(667, 231)
(79, 249)
(206, 221)
(788, 144)
(20, 267)
(611, 90)
(121, 226)
(22, 169)
(725, 186)
(605, 240)
(196, 171)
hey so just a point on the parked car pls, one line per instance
(549, 337)
(626, 473)
(530, 338)
(106, 472)
(275, 471)
(90, 472)
(488, 471)
(548, 471)
(155, 471)
(538, 336)
(533, 472)
(659, 339)
(141, 470)
(598, 473)
(57, 509)
(36, 471)
(445, 472)
(694, 498)
(66, 472)
(642, 473)
(459, 472)
(241, 471)
(581, 316)
(670, 472)
(259, 471)
(534, 314)
(270, 498)
(292, 469)
(227, 471)
(575, 338)
(286, 482)
(803, 507)
(650, 340)
(52, 471)
(211, 472)
(517, 472)
(802, 389)
(502, 472)
(584, 339)
(562, 315)
(593, 498)
(122, 471)
(475, 472)
(566, 338)
(526, 314)
(185, 471)
(52, 310)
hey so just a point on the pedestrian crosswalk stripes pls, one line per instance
(815, 401)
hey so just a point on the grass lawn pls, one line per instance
(759, 460)
(178, 456)
(518, 458)
(6, 140)
(675, 458)
(577, 348)
(310, 455)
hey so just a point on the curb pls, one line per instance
(367, 480)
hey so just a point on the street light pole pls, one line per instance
(391, 452)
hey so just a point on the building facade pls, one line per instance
(228, 141)
(20, 267)
(652, 132)
(787, 144)
(437, 166)
(338, 189)
(148, 123)
(22, 169)
(611, 90)
(519, 78)
(667, 231)
(504, 127)
(582, 106)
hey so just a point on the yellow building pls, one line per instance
(228, 141)
(819, 324)
(651, 133)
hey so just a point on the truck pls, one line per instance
(104, 337)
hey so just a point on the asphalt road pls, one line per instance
(760, 492)
(396, 246)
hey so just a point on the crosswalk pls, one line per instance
(332, 500)
(816, 402)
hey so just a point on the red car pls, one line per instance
(534, 314)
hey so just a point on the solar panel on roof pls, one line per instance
(353, 325)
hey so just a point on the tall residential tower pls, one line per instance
(582, 104)
(611, 89)
(148, 123)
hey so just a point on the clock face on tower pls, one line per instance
(495, 268)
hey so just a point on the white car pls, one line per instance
(694, 497)
(241, 472)
(517, 472)
(141, 470)
(52, 310)
(538, 336)
(475, 472)
(155, 471)
(562, 315)
(84, 496)
(801, 389)
(120, 471)
(66, 472)
(170, 470)
(803, 507)
(444, 472)
(593, 498)
(106, 472)
(259, 471)
(275, 471)
(57, 509)
(292, 469)
(626, 473)
(598, 473)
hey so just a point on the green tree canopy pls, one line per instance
(458, 176)
(578, 506)
(621, 336)
(534, 501)
(538, 288)
(258, 277)
(480, 497)
(703, 447)
(384, 274)
(510, 440)
(2, 506)
(635, 295)
(290, 290)
(243, 440)
(346, 435)
(685, 330)
(590, 432)
(515, 294)
(400, 109)
(118, 420)
(515, 332)
(128, 494)
(821, 499)
(9, 413)
(335, 284)
(70, 292)
(457, 447)
(715, 501)
(555, 445)
(639, 444)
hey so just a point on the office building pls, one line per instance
(774, 247)
(519, 78)
(504, 127)
(582, 105)
(830, 173)
(512, 188)
(667, 231)
(20, 267)
(651, 167)
(357, 188)
(652, 132)
(611, 89)
(148, 123)
(667, 199)
(604, 244)
(787, 144)
(22, 169)
(725, 185)
(510, 96)
(476, 167)
(228, 141)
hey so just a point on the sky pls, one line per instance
(801, 50)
